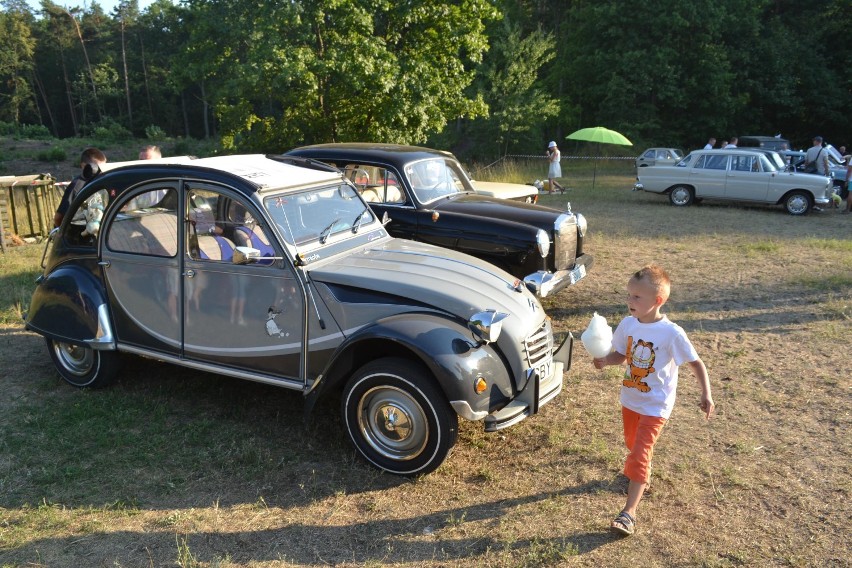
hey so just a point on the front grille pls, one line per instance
(565, 244)
(539, 345)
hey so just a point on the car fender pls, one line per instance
(71, 305)
(435, 341)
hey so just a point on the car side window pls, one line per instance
(375, 183)
(216, 224)
(146, 224)
(743, 163)
(649, 154)
(714, 162)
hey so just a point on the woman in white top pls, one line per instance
(555, 170)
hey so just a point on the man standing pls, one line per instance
(733, 143)
(710, 144)
(816, 160)
(91, 161)
(150, 153)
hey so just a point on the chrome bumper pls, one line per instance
(543, 283)
(638, 187)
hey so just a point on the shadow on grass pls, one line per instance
(421, 538)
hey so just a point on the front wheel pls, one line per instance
(682, 196)
(82, 366)
(397, 418)
(798, 203)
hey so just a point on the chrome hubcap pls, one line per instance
(75, 359)
(393, 423)
(797, 204)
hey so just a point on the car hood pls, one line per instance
(441, 278)
(494, 208)
(503, 190)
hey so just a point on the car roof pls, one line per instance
(260, 171)
(396, 154)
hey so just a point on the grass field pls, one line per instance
(172, 467)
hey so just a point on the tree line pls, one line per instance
(484, 77)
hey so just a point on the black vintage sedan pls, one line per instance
(429, 198)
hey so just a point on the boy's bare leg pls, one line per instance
(635, 490)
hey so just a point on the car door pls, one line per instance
(708, 173)
(746, 179)
(383, 190)
(141, 265)
(247, 316)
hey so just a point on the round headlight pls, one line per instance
(542, 239)
(582, 225)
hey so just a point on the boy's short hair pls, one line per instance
(92, 155)
(656, 277)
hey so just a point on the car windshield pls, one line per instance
(436, 178)
(317, 215)
(776, 161)
(685, 162)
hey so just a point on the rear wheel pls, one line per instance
(682, 195)
(397, 418)
(82, 366)
(798, 203)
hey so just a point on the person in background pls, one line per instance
(724, 144)
(816, 159)
(845, 193)
(150, 153)
(732, 143)
(91, 161)
(710, 144)
(652, 348)
(555, 168)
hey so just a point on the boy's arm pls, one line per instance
(700, 372)
(614, 358)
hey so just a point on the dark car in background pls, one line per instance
(777, 144)
(429, 198)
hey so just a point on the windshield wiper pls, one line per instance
(324, 234)
(356, 224)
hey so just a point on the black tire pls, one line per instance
(82, 366)
(397, 418)
(681, 196)
(798, 203)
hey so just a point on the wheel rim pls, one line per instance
(75, 359)
(797, 204)
(680, 196)
(393, 423)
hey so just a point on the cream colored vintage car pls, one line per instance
(735, 175)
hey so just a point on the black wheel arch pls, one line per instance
(430, 340)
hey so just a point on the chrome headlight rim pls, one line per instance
(582, 225)
(487, 325)
(542, 241)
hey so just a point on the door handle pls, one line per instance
(189, 273)
(104, 263)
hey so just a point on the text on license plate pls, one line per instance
(578, 273)
(544, 369)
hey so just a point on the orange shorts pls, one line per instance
(640, 435)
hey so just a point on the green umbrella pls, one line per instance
(600, 135)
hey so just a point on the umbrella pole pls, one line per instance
(595, 171)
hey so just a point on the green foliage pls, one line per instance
(154, 132)
(108, 130)
(55, 154)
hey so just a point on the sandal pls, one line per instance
(623, 524)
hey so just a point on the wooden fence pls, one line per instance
(27, 206)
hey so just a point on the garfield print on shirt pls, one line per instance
(640, 364)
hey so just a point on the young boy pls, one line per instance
(91, 161)
(653, 348)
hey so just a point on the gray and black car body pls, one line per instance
(262, 270)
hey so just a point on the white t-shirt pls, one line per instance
(654, 352)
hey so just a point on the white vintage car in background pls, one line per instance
(735, 175)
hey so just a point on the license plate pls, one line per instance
(578, 273)
(544, 369)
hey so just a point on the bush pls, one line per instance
(34, 131)
(107, 130)
(55, 154)
(154, 132)
(181, 148)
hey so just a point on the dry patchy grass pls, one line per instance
(172, 467)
